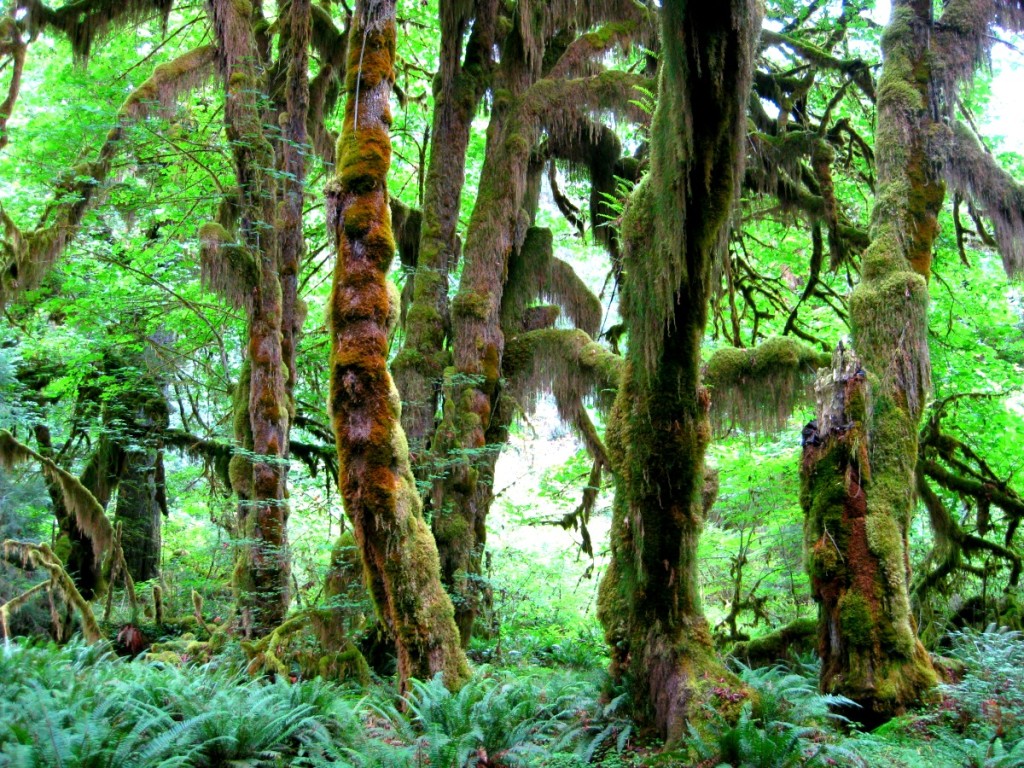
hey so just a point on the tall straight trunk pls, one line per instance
(375, 475)
(263, 569)
(293, 150)
(675, 226)
(859, 505)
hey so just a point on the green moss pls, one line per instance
(62, 548)
(452, 529)
(886, 543)
(468, 304)
(164, 657)
(856, 620)
(348, 665)
(787, 642)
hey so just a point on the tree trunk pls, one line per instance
(376, 478)
(138, 510)
(674, 227)
(868, 638)
(419, 366)
(271, 247)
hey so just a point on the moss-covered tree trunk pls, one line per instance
(420, 365)
(859, 566)
(255, 271)
(141, 496)
(471, 384)
(675, 227)
(375, 476)
(139, 511)
(544, 82)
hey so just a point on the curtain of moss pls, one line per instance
(376, 479)
(659, 429)
(867, 635)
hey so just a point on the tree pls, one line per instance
(860, 466)
(375, 475)
(549, 84)
(674, 229)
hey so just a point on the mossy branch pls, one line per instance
(857, 69)
(758, 388)
(952, 542)
(568, 360)
(559, 103)
(962, 39)
(14, 604)
(169, 81)
(26, 257)
(583, 55)
(11, 44)
(83, 21)
(786, 642)
(537, 21)
(88, 513)
(535, 273)
(41, 556)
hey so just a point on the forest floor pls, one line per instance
(86, 706)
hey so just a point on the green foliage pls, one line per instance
(82, 707)
(987, 704)
(787, 723)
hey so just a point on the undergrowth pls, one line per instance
(83, 707)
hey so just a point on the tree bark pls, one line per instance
(659, 430)
(138, 510)
(859, 502)
(376, 478)
(271, 239)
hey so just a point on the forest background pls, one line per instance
(131, 343)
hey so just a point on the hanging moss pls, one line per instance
(88, 514)
(41, 556)
(962, 39)
(84, 21)
(228, 268)
(758, 388)
(535, 274)
(26, 257)
(973, 172)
